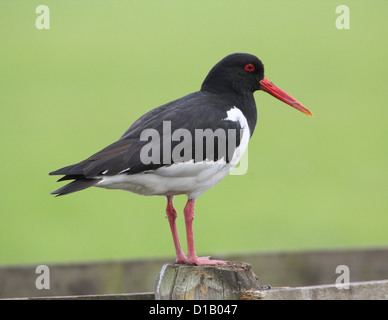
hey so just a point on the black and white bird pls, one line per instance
(183, 147)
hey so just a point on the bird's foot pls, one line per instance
(181, 259)
(205, 261)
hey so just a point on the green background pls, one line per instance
(67, 92)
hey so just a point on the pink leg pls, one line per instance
(192, 257)
(171, 216)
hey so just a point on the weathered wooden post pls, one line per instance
(187, 282)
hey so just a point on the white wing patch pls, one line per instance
(124, 171)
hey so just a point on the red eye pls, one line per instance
(249, 67)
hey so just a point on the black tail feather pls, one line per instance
(71, 177)
(76, 185)
(62, 171)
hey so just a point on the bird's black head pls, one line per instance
(239, 73)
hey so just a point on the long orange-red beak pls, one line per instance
(269, 87)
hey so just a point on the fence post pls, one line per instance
(222, 282)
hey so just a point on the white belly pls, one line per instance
(185, 178)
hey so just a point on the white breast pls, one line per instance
(236, 115)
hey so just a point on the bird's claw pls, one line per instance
(205, 261)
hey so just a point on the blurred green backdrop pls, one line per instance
(67, 92)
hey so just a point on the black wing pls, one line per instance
(194, 113)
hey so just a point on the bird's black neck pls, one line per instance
(246, 103)
(243, 101)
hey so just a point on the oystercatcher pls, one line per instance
(185, 146)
